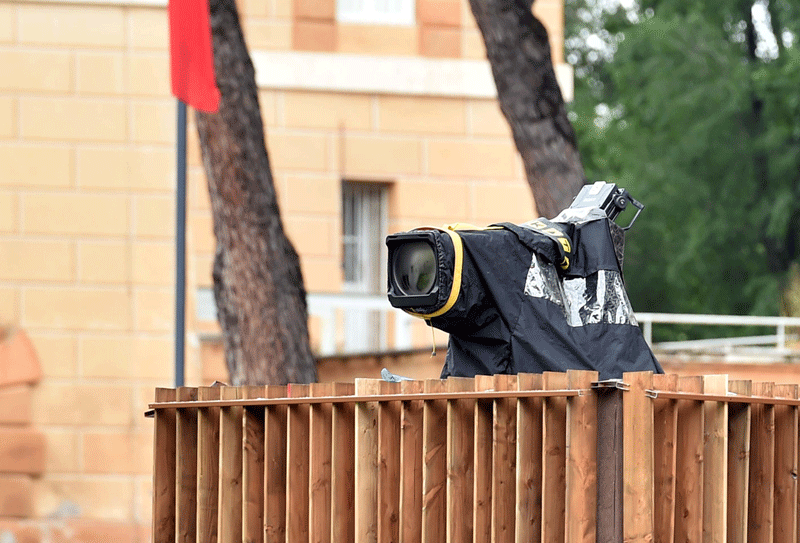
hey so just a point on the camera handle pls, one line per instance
(609, 197)
(618, 204)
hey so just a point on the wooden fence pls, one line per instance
(544, 458)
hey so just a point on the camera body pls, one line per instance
(546, 295)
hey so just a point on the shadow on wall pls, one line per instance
(23, 457)
(22, 447)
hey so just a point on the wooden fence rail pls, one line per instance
(524, 458)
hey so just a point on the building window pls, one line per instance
(363, 231)
(364, 225)
(380, 12)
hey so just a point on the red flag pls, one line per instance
(191, 55)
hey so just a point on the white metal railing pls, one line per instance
(342, 330)
(778, 340)
(347, 323)
(328, 306)
(350, 323)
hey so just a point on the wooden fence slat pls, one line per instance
(389, 465)
(554, 460)
(186, 460)
(529, 462)
(715, 456)
(665, 423)
(689, 483)
(320, 469)
(504, 460)
(164, 483)
(207, 466)
(366, 463)
(797, 510)
(297, 466)
(482, 471)
(460, 441)
(275, 467)
(229, 508)
(738, 463)
(411, 464)
(785, 466)
(434, 472)
(343, 467)
(497, 469)
(609, 465)
(581, 446)
(762, 468)
(637, 460)
(253, 468)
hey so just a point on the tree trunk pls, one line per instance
(519, 53)
(258, 284)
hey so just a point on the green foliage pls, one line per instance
(697, 113)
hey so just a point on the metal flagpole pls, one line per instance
(180, 247)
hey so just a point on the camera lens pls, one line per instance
(414, 268)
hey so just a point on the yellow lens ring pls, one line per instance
(458, 248)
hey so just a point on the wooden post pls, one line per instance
(504, 461)
(434, 473)
(460, 441)
(297, 466)
(581, 484)
(320, 466)
(186, 457)
(554, 460)
(689, 483)
(665, 422)
(411, 464)
(253, 468)
(343, 467)
(609, 465)
(164, 470)
(715, 484)
(275, 467)
(785, 466)
(762, 468)
(637, 458)
(207, 466)
(366, 475)
(229, 504)
(529, 461)
(482, 474)
(738, 463)
(388, 465)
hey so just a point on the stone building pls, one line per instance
(380, 116)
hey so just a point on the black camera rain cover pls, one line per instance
(520, 312)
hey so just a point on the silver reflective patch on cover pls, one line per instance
(543, 282)
(579, 215)
(599, 298)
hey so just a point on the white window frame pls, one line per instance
(376, 12)
(364, 327)
(371, 223)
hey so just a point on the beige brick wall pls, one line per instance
(87, 130)
(441, 159)
(444, 29)
(460, 166)
(87, 133)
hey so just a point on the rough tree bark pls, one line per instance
(530, 98)
(258, 284)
